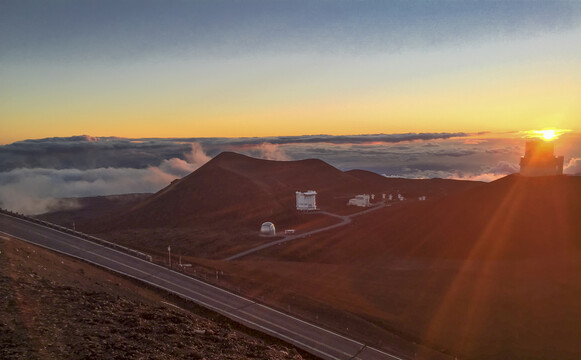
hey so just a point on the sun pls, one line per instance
(548, 134)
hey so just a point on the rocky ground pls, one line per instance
(55, 307)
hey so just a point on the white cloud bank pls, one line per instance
(34, 191)
(573, 166)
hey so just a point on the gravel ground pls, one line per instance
(53, 307)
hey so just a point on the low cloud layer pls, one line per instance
(86, 152)
(36, 190)
(33, 173)
(573, 167)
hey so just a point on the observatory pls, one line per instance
(306, 200)
(360, 200)
(539, 159)
(267, 229)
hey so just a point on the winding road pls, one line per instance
(311, 338)
(345, 219)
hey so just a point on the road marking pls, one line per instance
(301, 335)
(285, 337)
(315, 326)
(359, 352)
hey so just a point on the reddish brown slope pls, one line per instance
(493, 272)
(514, 217)
(234, 189)
(412, 187)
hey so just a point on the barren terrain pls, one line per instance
(480, 270)
(55, 307)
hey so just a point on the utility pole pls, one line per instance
(169, 255)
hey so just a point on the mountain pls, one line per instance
(234, 189)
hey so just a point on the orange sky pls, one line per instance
(259, 73)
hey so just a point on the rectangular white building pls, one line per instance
(307, 200)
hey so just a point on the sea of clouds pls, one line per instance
(35, 173)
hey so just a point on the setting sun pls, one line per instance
(547, 134)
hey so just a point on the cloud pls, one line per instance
(33, 191)
(180, 168)
(474, 141)
(197, 156)
(454, 152)
(37, 190)
(573, 166)
(270, 151)
(486, 173)
(486, 177)
(364, 139)
(86, 152)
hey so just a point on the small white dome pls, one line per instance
(268, 229)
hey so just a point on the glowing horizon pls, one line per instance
(192, 70)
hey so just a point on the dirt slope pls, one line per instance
(54, 307)
(491, 272)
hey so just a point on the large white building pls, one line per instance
(307, 200)
(360, 200)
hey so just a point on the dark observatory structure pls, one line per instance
(539, 159)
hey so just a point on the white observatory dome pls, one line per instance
(268, 229)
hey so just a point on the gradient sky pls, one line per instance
(273, 67)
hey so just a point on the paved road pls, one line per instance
(345, 219)
(314, 339)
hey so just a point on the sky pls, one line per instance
(106, 97)
(232, 68)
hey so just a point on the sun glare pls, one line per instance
(547, 134)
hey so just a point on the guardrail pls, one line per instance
(79, 234)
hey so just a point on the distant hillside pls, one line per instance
(412, 187)
(78, 210)
(511, 217)
(237, 189)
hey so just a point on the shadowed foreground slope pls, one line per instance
(55, 307)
